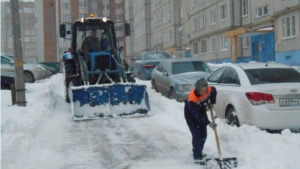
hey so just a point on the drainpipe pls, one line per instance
(241, 24)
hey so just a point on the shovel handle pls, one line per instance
(216, 133)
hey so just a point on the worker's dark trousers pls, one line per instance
(199, 134)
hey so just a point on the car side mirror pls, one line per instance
(165, 74)
(11, 63)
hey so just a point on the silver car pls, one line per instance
(32, 71)
(145, 63)
(176, 77)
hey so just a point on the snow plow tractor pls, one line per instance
(96, 84)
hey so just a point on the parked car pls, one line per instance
(176, 77)
(145, 63)
(258, 94)
(32, 71)
(7, 79)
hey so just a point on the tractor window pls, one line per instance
(79, 39)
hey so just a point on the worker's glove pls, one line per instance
(212, 125)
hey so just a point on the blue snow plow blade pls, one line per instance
(109, 100)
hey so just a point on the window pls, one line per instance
(95, 12)
(5, 60)
(289, 26)
(213, 17)
(245, 7)
(171, 35)
(203, 21)
(272, 75)
(118, 28)
(169, 15)
(82, 15)
(93, 1)
(223, 12)
(195, 2)
(105, 7)
(181, 34)
(224, 43)
(246, 42)
(230, 77)
(203, 46)
(160, 66)
(166, 67)
(118, 6)
(188, 16)
(118, 17)
(214, 45)
(262, 11)
(66, 18)
(215, 77)
(82, 5)
(195, 24)
(65, 5)
(181, 13)
(195, 48)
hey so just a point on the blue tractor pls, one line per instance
(96, 84)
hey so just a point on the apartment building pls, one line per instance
(287, 31)
(46, 32)
(157, 23)
(142, 25)
(129, 17)
(224, 30)
(171, 25)
(28, 30)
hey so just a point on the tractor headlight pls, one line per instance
(185, 87)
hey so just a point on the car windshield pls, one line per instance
(184, 67)
(272, 75)
(156, 56)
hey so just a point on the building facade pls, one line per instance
(220, 30)
(28, 30)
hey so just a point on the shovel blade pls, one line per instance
(224, 163)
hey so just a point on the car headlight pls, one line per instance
(185, 87)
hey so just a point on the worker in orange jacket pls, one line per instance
(196, 118)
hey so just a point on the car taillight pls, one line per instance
(257, 98)
(148, 66)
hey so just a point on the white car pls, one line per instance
(265, 95)
(32, 71)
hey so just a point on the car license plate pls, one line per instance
(289, 102)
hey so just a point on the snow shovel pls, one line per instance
(219, 163)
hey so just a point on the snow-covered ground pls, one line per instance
(42, 135)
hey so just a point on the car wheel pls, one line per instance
(231, 117)
(154, 85)
(172, 94)
(28, 77)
